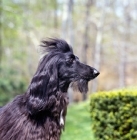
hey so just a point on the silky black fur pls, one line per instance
(36, 115)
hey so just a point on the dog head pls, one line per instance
(72, 70)
(66, 67)
(56, 70)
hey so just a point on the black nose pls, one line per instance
(95, 73)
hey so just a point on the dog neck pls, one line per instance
(63, 86)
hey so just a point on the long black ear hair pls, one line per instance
(45, 81)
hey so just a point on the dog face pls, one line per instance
(72, 70)
(64, 67)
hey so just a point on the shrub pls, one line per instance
(114, 115)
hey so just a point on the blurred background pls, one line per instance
(103, 34)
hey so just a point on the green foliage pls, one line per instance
(114, 115)
(78, 123)
(11, 84)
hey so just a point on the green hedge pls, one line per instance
(114, 115)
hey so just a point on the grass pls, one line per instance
(78, 123)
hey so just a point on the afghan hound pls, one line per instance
(39, 114)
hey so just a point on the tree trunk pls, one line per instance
(86, 37)
(98, 43)
(70, 22)
(0, 32)
(55, 14)
(64, 19)
(67, 29)
(122, 66)
(124, 47)
(27, 27)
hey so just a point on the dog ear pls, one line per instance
(37, 93)
(42, 86)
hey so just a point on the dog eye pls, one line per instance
(70, 60)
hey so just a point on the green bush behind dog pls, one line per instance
(114, 115)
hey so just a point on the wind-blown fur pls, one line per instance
(39, 114)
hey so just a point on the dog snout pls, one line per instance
(95, 73)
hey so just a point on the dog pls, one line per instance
(39, 114)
